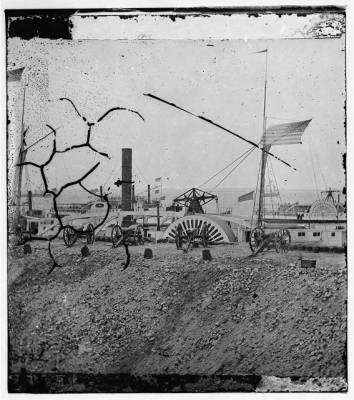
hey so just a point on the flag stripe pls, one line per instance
(281, 141)
(286, 139)
(285, 133)
(273, 135)
(296, 136)
(271, 138)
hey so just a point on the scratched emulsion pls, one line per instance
(34, 95)
(69, 92)
(57, 193)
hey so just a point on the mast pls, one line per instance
(264, 147)
(21, 158)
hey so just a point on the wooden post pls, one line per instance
(30, 202)
(127, 177)
(158, 216)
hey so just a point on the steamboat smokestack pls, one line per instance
(126, 177)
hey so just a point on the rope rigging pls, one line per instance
(314, 174)
(222, 170)
(276, 183)
(270, 188)
(247, 154)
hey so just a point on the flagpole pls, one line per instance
(265, 147)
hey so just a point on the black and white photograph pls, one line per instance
(176, 199)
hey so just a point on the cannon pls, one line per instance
(134, 234)
(279, 240)
(71, 234)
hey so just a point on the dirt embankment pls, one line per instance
(177, 314)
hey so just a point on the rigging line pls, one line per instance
(141, 174)
(42, 138)
(109, 177)
(219, 126)
(270, 188)
(323, 178)
(276, 183)
(314, 174)
(245, 156)
(319, 167)
(233, 169)
(138, 175)
(227, 191)
(232, 162)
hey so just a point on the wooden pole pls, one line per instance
(158, 216)
(30, 202)
(264, 153)
(21, 158)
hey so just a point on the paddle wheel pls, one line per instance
(196, 226)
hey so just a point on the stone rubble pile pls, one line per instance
(176, 313)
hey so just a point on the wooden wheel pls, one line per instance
(139, 234)
(218, 230)
(256, 238)
(116, 235)
(69, 236)
(90, 234)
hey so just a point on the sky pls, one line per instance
(223, 80)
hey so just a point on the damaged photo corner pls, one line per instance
(176, 200)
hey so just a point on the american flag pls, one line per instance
(289, 133)
(157, 179)
(14, 75)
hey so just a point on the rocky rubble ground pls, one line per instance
(177, 313)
